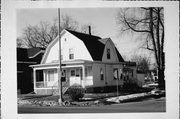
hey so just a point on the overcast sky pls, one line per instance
(103, 19)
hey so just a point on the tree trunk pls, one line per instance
(161, 80)
(161, 68)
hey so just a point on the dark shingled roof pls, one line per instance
(95, 45)
(33, 51)
(120, 58)
(25, 54)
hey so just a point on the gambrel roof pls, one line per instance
(91, 42)
(95, 45)
(104, 40)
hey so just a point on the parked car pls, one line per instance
(151, 85)
(158, 93)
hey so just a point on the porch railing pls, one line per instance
(41, 84)
(54, 87)
(65, 86)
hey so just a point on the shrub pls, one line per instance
(76, 92)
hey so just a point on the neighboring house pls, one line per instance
(25, 58)
(87, 60)
(141, 78)
(146, 78)
(151, 76)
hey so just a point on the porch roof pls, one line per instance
(63, 63)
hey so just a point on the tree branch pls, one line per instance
(128, 24)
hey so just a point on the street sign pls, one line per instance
(63, 74)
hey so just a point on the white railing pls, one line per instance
(41, 84)
(54, 87)
(65, 86)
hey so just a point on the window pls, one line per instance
(71, 53)
(51, 75)
(108, 54)
(72, 72)
(101, 74)
(115, 73)
(120, 74)
(88, 71)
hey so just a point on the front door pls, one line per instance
(51, 77)
(75, 78)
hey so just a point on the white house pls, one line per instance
(87, 60)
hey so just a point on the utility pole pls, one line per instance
(59, 71)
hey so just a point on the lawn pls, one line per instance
(88, 99)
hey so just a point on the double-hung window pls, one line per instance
(73, 73)
(108, 54)
(71, 53)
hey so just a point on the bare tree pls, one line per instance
(143, 63)
(85, 28)
(42, 34)
(67, 22)
(149, 24)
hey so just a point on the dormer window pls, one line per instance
(71, 53)
(108, 54)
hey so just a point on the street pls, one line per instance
(154, 105)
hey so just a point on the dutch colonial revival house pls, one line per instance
(25, 58)
(87, 60)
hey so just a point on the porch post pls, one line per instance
(83, 76)
(44, 78)
(34, 79)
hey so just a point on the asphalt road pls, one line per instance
(155, 105)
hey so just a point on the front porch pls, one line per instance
(72, 73)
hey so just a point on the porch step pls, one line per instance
(64, 90)
(56, 91)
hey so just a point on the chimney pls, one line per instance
(89, 30)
